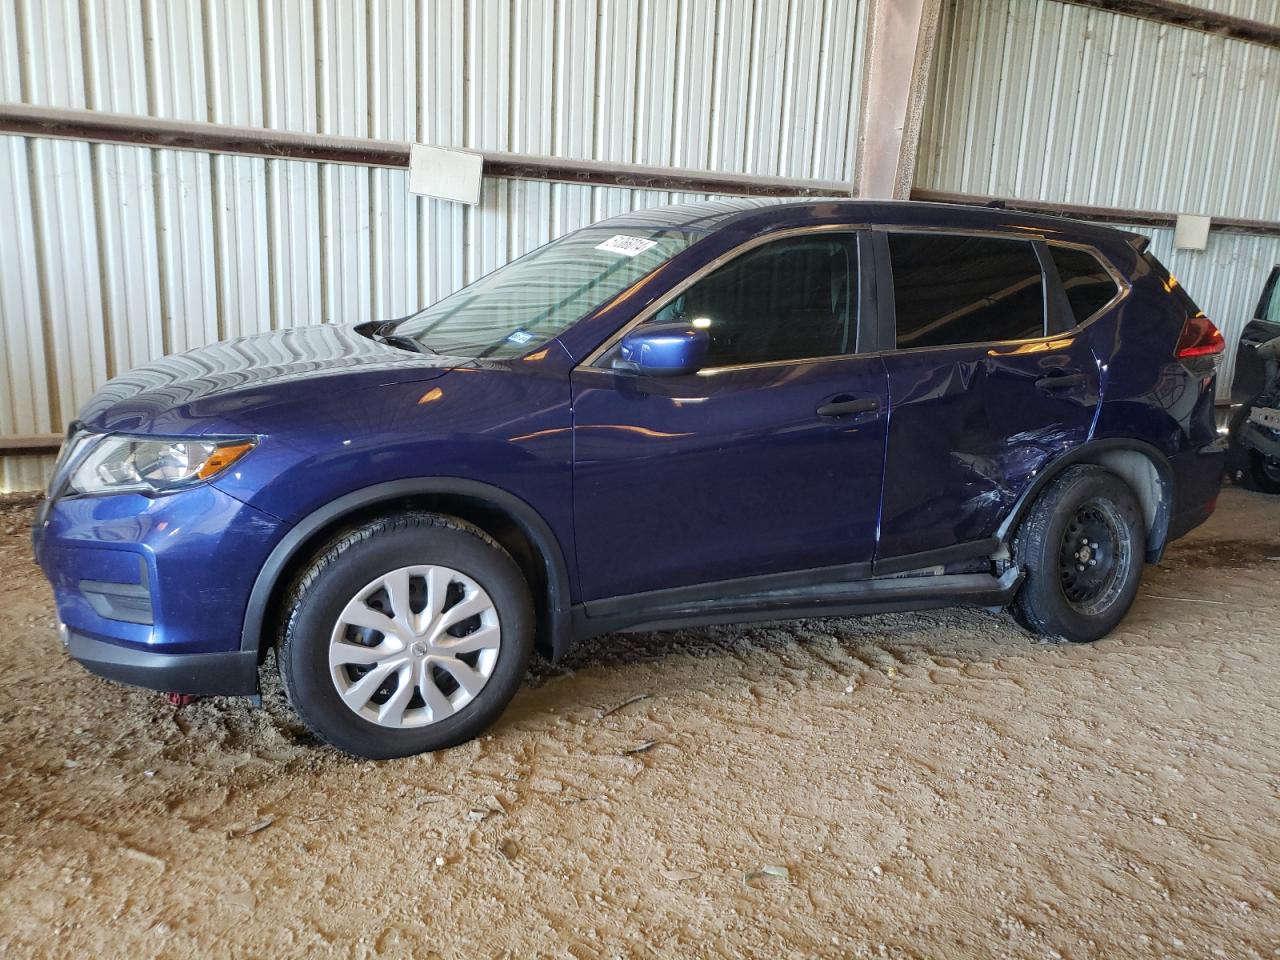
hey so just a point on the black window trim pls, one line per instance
(1056, 308)
(1058, 315)
(859, 233)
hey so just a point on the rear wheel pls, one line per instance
(1082, 548)
(408, 634)
(1265, 472)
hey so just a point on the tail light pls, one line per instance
(1200, 338)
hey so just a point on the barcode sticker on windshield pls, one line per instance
(627, 246)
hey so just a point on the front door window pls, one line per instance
(793, 299)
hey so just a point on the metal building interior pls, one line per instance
(260, 229)
(175, 173)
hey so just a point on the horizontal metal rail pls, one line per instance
(30, 444)
(1115, 215)
(1191, 18)
(121, 128)
(74, 124)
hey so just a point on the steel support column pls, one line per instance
(902, 35)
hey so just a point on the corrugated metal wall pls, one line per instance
(1051, 101)
(1155, 118)
(112, 255)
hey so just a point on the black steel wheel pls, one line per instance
(1082, 547)
(1094, 553)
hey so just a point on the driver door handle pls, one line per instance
(1060, 381)
(843, 406)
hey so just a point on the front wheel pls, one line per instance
(1082, 547)
(408, 634)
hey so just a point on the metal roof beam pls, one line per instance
(1114, 215)
(60, 123)
(1191, 18)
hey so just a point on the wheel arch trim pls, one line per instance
(1153, 484)
(529, 520)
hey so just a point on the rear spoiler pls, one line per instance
(1138, 242)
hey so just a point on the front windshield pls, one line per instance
(511, 311)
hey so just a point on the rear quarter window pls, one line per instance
(1087, 283)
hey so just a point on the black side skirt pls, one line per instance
(658, 610)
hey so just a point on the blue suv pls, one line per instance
(704, 413)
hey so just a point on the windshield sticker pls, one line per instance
(626, 246)
(520, 337)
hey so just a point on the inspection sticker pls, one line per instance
(627, 246)
(520, 337)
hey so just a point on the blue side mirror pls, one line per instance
(664, 349)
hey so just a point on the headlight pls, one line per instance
(145, 465)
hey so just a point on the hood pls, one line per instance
(205, 389)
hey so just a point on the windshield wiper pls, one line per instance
(382, 333)
(404, 343)
(386, 326)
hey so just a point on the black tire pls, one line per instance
(346, 565)
(1059, 599)
(1264, 473)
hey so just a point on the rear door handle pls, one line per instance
(843, 406)
(1060, 381)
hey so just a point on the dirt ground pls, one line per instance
(925, 785)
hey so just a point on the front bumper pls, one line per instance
(153, 591)
(233, 673)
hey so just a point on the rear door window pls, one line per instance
(1087, 283)
(955, 289)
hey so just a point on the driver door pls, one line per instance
(746, 469)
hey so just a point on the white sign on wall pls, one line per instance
(1191, 232)
(445, 173)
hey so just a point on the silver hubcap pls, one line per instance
(414, 646)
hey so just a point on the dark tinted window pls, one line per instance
(955, 289)
(1088, 286)
(787, 300)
